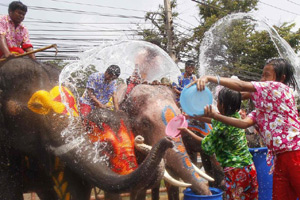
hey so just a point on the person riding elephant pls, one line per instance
(14, 37)
(100, 87)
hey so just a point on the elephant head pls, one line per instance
(34, 125)
(150, 109)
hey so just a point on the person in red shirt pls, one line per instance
(14, 37)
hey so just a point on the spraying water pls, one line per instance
(214, 54)
(150, 61)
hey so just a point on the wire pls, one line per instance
(78, 12)
(94, 5)
(279, 8)
(294, 2)
(82, 30)
(84, 23)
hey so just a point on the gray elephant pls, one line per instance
(40, 136)
(150, 108)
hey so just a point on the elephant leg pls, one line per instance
(10, 185)
(10, 178)
(173, 191)
(155, 193)
(77, 188)
(138, 195)
(112, 196)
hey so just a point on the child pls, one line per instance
(277, 119)
(230, 147)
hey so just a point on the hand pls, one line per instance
(200, 83)
(100, 105)
(209, 111)
(9, 55)
(182, 129)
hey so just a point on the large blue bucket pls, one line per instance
(190, 195)
(265, 181)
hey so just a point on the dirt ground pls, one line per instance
(163, 196)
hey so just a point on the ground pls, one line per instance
(163, 196)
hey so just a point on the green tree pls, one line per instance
(157, 35)
(246, 47)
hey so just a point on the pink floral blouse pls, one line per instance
(276, 116)
(15, 37)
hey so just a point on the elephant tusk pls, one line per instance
(202, 173)
(144, 148)
(173, 181)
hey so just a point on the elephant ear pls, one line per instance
(41, 103)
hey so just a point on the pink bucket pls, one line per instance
(174, 124)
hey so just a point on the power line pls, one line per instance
(279, 8)
(82, 30)
(79, 12)
(83, 23)
(63, 35)
(186, 22)
(209, 5)
(294, 2)
(94, 5)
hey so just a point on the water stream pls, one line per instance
(214, 54)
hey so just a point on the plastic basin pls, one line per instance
(217, 194)
(193, 101)
(174, 124)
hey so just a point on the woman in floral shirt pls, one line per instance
(229, 144)
(277, 118)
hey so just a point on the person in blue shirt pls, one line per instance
(100, 87)
(185, 78)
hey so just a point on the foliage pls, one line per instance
(158, 35)
(59, 64)
(246, 48)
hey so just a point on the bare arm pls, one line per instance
(4, 47)
(115, 101)
(94, 99)
(246, 95)
(239, 123)
(234, 84)
(201, 118)
(191, 133)
(176, 90)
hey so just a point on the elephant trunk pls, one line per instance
(100, 175)
(184, 168)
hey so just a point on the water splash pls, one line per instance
(213, 53)
(149, 60)
(153, 62)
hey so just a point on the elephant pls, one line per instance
(150, 107)
(210, 164)
(48, 148)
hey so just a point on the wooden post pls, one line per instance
(168, 13)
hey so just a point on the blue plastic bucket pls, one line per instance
(265, 181)
(190, 195)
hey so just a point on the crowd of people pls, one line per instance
(275, 115)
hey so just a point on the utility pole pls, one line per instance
(168, 13)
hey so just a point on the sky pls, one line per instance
(77, 24)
